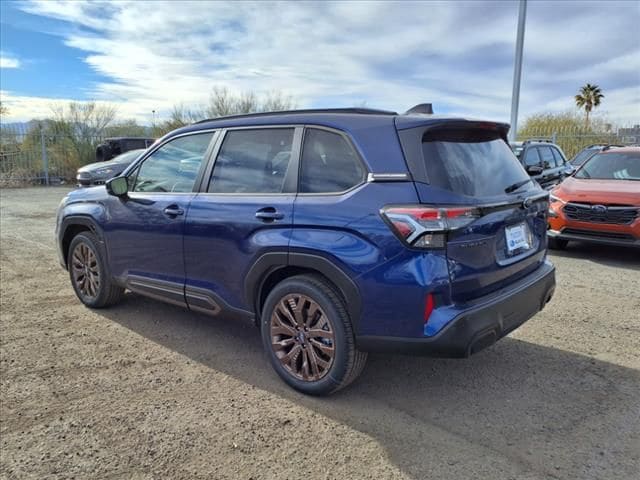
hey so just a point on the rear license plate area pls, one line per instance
(517, 238)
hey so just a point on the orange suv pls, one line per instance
(600, 203)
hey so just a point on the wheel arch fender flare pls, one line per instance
(272, 262)
(76, 220)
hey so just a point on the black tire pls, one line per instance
(102, 293)
(347, 363)
(557, 243)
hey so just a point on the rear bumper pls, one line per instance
(595, 236)
(483, 323)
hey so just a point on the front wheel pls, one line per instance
(89, 275)
(308, 337)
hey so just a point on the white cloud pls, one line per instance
(458, 55)
(8, 61)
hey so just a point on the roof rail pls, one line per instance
(541, 140)
(360, 111)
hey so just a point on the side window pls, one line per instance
(531, 158)
(547, 157)
(253, 161)
(174, 166)
(329, 164)
(560, 160)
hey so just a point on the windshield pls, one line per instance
(472, 162)
(129, 156)
(583, 156)
(612, 166)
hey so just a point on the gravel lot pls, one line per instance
(146, 390)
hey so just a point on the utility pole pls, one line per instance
(517, 70)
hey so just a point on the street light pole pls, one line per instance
(517, 71)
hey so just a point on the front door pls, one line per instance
(145, 229)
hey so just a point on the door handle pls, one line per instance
(269, 214)
(173, 211)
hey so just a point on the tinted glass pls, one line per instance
(128, 157)
(558, 157)
(547, 157)
(532, 158)
(329, 163)
(583, 156)
(174, 166)
(471, 162)
(612, 166)
(253, 161)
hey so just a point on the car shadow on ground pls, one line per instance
(621, 257)
(544, 410)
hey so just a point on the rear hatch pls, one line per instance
(466, 166)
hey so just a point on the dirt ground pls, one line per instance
(146, 390)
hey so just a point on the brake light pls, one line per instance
(426, 227)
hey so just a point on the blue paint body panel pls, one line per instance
(216, 245)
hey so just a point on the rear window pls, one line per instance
(476, 163)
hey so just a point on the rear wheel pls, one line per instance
(307, 334)
(89, 275)
(557, 243)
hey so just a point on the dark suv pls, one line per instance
(543, 160)
(338, 231)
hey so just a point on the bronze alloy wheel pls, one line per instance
(85, 270)
(302, 337)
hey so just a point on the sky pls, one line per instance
(143, 56)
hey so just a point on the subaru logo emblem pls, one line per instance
(599, 209)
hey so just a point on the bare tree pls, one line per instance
(276, 102)
(221, 103)
(78, 127)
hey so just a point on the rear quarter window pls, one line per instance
(329, 163)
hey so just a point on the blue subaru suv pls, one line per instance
(339, 232)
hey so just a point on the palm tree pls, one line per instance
(589, 98)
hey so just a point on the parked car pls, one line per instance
(112, 147)
(99, 172)
(588, 152)
(340, 232)
(600, 203)
(543, 160)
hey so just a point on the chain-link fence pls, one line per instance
(573, 140)
(31, 154)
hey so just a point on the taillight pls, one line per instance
(427, 227)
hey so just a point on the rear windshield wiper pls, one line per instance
(515, 186)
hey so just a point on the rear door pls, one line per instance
(245, 210)
(552, 172)
(470, 164)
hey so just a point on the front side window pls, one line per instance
(174, 166)
(547, 157)
(253, 161)
(531, 158)
(329, 164)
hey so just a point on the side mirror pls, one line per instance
(117, 186)
(534, 169)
